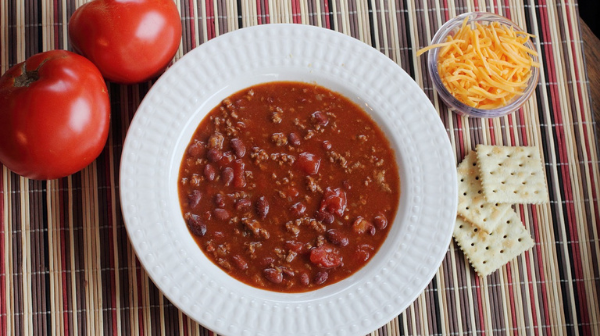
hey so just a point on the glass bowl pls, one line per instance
(451, 27)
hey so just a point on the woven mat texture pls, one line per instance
(67, 267)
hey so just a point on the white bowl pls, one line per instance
(163, 127)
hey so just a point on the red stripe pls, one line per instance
(480, 306)
(210, 20)
(511, 298)
(327, 18)
(258, 12)
(492, 131)
(445, 11)
(507, 12)
(296, 12)
(192, 28)
(184, 319)
(267, 16)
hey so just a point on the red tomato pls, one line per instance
(130, 41)
(54, 115)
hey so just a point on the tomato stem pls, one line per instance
(26, 77)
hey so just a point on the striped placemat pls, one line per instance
(67, 267)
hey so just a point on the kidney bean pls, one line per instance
(262, 207)
(274, 275)
(304, 279)
(294, 139)
(239, 179)
(214, 155)
(324, 217)
(334, 201)
(227, 176)
(380, 222)
(266, 261)
(298, 209)
(363, 253)
(197, 149)
(243, 205)
(308, 163)
(319, 118)
(196, 225)
(320, 277)
(219, 200)
(239, 262)
(325, 256)
(337, 238)
(194, 198)
(210, 172)
(238, 147)
(221, 214)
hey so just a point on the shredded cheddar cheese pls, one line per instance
(485, 67)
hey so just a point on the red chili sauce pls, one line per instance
(289, 186)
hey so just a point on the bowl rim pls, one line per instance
(455, 104)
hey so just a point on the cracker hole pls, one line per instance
(503, 182)
(536, 192)
(529, 156)
(494, 191)
(462, 180)
(508, 222)
(481, 206)
(465, 194)
(512, 173)
(485, 219)
(514, 192)
(507, 155)
(488, 154)
(505, 236)
(460, 226)
(472, 244)
(519, 240)
(487, 247)
(467, 208)
(520, 165)
(475, 230)
(532, 173)
(524, 182)
(479, 192)
(501, 251)
(485, 261)
(477, 177)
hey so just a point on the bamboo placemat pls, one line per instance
(67, 267)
